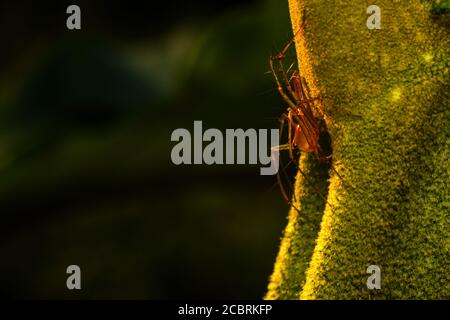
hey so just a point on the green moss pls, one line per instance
(439, 6)
(395, 155)
(299, 236)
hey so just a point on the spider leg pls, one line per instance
(303, 86)
(279, 57)
(285, 78)
(291, 153)
(289, 70)
(282, 188)
(311, 184)
(283, 168)
(327, 159)
(280, 86)
(305, 100)
(282, 119)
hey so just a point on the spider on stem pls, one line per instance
(303, 125)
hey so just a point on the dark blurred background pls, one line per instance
(85, 170)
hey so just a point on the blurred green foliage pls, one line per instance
(85, 167)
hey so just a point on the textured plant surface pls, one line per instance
(388, 116)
